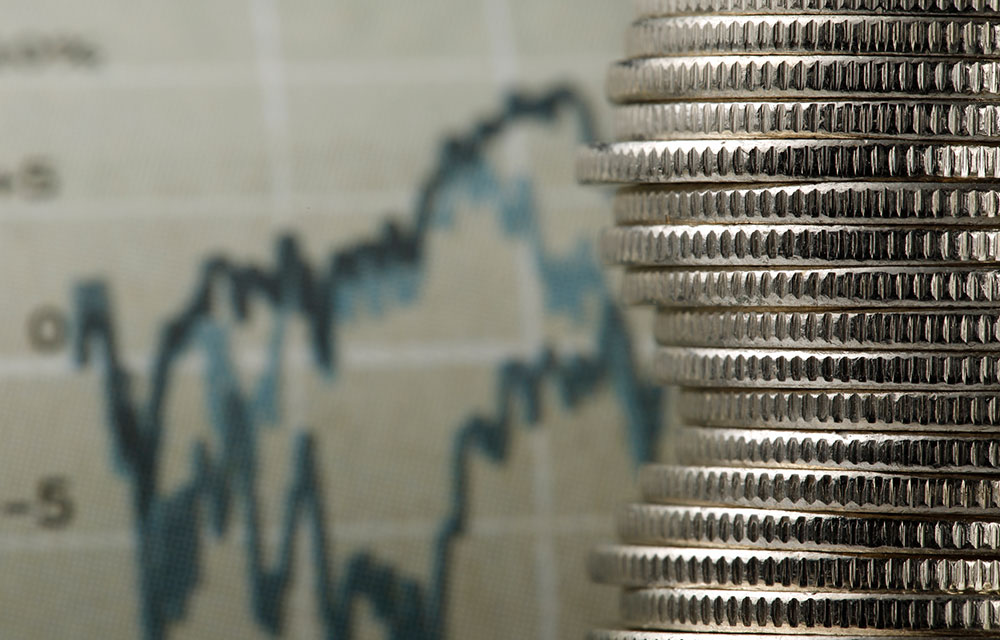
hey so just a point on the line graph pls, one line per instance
(380, 272)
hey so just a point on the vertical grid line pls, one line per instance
(266, 23)
(499, 24)
(274, 101)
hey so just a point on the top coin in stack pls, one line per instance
(649, 8)
(915, 35)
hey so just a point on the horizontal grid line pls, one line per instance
(364, 531)
(362, 203)
(406, 71)
(354, 356)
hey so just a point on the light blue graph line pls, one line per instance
(384, 271)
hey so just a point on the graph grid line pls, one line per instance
(323, 298)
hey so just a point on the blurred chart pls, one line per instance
(302, 333)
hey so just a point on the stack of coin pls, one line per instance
(810, 197)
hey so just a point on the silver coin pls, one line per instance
(830, 329)
(831, 203)
(749, 7)
(916, 411)
(623, 634)
(926, 370)
(774, 529)
(644, 566)
(840, 288)
(728, 245)
(864, 451)
(801, 77)
(663, 161)
(718, 610)
(830, 33)
(961, 120)
(790, 489)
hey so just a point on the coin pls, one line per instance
(866, 491)
(873, 451)
(827, 33)
(910, 203)
(917, 411)
(661, 161)
(777, 529)
(715, 610)
(956, 120)
(914, 329)
(614, 634)
(927, 370)
(801, 77)
(644, 566)
(838, 288)
(737, 7)
(680, 245)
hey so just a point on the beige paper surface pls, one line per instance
(141, 138)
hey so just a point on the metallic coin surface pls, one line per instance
(776, 529)
(615, 634)
(751, 7)
(808, 34)
(853, 410)
(801, 77)
(662, 161)
(716, 610)
(809, 193)
(926, 370)
(837, 288)
(959, 121)
(903, 203)
(728, 245)
(790, 489)
(875, 329)
(847, 450)
(643, 566)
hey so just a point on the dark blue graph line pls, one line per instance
(384, 270)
